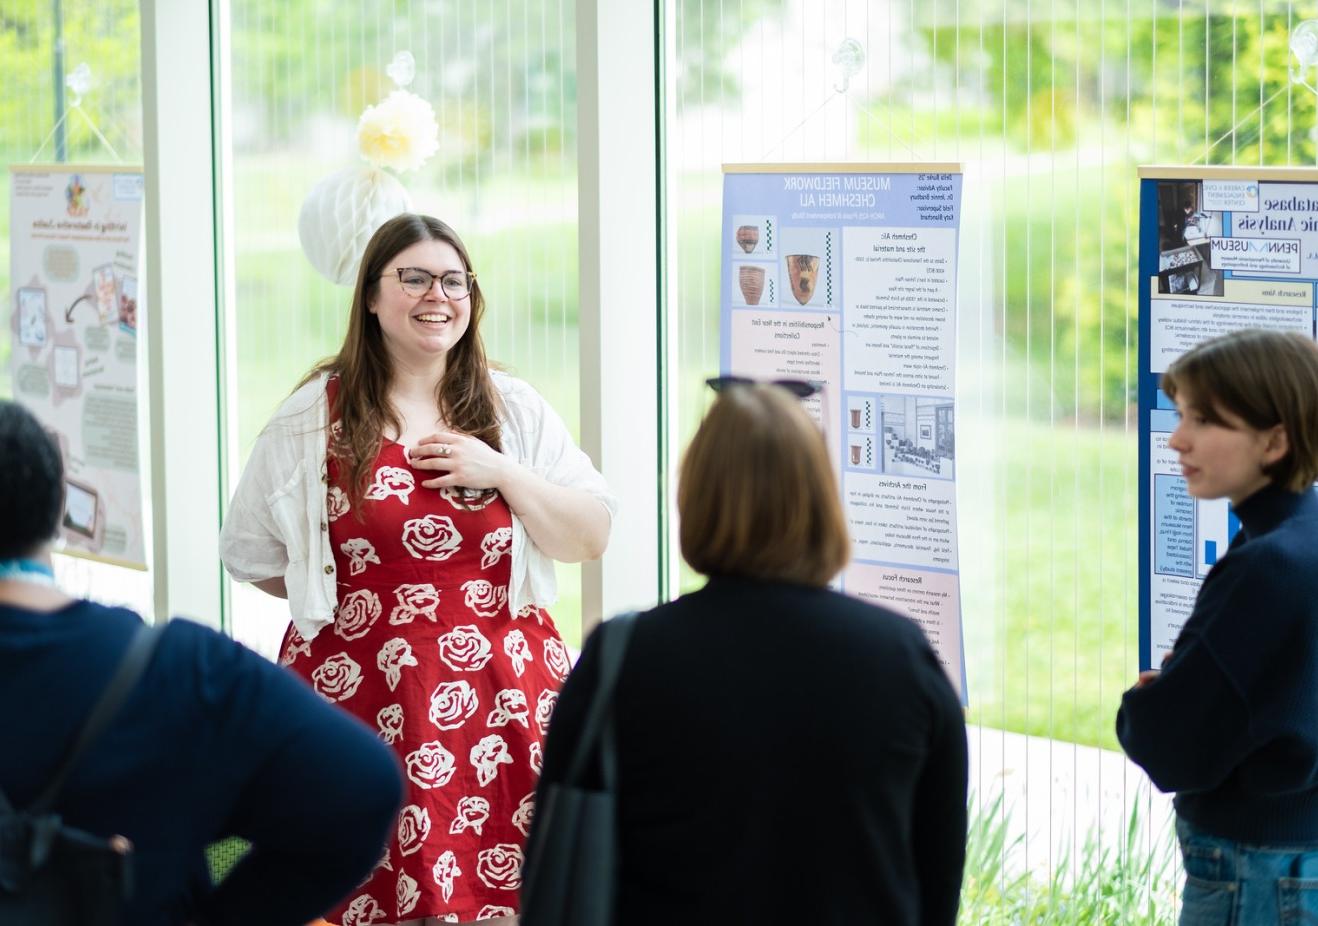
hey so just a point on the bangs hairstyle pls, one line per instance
(465, 398)
(1266, 378)
(757, 496)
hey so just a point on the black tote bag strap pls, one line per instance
(132, 665)
(613, 647)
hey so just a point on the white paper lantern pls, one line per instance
(341, 213)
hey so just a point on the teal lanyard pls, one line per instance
(27, 570)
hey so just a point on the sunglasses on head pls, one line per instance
(801, 388)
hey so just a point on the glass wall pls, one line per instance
(1050, 107)
(501, 79)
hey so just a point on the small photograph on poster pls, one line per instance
(128, 303)
(861, 413)
(105, 290)
(861, 452)
(80, 504)
(1185, 233)
(754, 284)
(67, 373)
(809, 266)
(32, 325)
(753, 235)
(918, 434)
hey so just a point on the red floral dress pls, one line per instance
(424, 649)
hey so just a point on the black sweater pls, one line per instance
(1231, 724)
(214, 741)
(786, 755)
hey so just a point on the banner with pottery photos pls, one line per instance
(845, 275)
(1221, 249)
(74, 248)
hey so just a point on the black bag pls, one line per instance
(52, 874)
(571, 868)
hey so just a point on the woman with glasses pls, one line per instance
(785, 754)
(409, 502)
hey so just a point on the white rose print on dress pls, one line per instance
(473, 811)
(337, 678)
(484, 598)
(537, 757)
(407, 893)
(524, 813)
(336, 503)
(500, 867)
(389, 721)
(528, 611)
(557, 660)
(395, 654)
(464, 649)
(413, 828)
(490, 911)
(384, 863)
(431, 538)
(430, 765)
(518, 650)
(357, 612)
(391, 480)
(452, 704)
(445, 871)
(296, 647)
(359, 552)
(468, 499)
(496, 544)
(509, 706)
(486, 757)
(544, 709)
(363, 911)
(414, 601)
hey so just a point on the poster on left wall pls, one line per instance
(75, 307)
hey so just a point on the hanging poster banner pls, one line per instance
(74, 270)
(845, 275)
(1221, 248)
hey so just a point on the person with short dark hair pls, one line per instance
(786, 754)
(1230, 722)
(214, 740)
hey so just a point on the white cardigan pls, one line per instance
(277, 523)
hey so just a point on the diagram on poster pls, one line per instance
(846, 276)
(74, 302)
(1221, 249)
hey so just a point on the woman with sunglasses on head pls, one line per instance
(785, 754)
(409, 502)
(1230, 723)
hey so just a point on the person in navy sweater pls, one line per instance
(1230, 723)
(213, 741)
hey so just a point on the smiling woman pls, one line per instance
(409, 502)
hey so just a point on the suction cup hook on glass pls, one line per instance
(1304, 46)
(848, 58)
(402, 69)
(79, 82)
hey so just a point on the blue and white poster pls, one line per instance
(1221, 248)
(845, 275)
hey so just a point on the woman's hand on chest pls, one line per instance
(460, 460)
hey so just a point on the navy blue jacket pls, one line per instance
(214, 741)
(1231, 724)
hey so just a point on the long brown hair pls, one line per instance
(757, 496)
(465, 397)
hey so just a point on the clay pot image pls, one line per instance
(803, 273)
(748, 236)
(751, 281)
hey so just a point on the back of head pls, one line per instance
(1266, 378)
(31, 483)
(757, 496)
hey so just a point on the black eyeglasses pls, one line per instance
(801, 388)
(416, 282)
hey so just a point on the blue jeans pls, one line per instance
(1230, 883)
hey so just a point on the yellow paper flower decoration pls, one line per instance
(399, 132)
